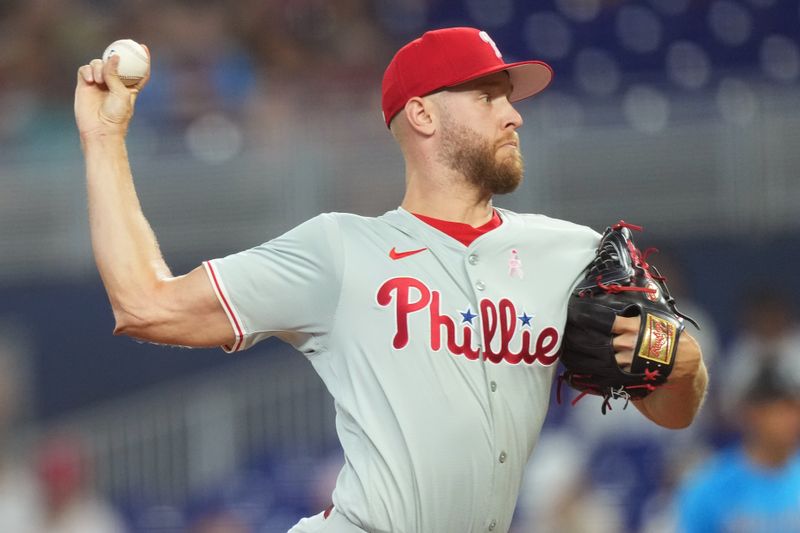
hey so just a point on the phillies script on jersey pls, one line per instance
(498, 325)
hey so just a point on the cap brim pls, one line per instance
(527, 77)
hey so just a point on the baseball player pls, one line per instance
(436, 327)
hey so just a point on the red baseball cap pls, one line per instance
(449, 57)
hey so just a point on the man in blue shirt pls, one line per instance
(754, 486)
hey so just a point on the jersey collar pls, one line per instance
(463, 233)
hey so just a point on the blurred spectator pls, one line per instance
(769, 334)
(69, 506)
(19, 503)
(19, 498)
(558, 496)
(755, 486)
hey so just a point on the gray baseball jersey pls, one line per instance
(439, 356)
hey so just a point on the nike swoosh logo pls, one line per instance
(395, 255)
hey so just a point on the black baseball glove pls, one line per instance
(620, 282)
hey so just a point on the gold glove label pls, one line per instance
(658, 340)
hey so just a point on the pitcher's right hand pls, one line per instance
(103, 104)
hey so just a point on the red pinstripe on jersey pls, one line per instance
(235, 323)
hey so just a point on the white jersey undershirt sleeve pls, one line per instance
(287, 287)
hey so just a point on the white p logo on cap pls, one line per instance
(485, 38)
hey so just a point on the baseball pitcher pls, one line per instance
(436, 327)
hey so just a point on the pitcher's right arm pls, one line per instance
(148, 302)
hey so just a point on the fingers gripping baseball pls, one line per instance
(103, 104)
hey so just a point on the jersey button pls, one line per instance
(473, 259)
(492, 525)
(493, 386)
(480, 285)
(502, 457)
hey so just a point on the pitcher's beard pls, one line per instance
(466, 152)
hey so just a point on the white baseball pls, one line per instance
(133, 60)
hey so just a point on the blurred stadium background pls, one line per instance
(680, 115)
